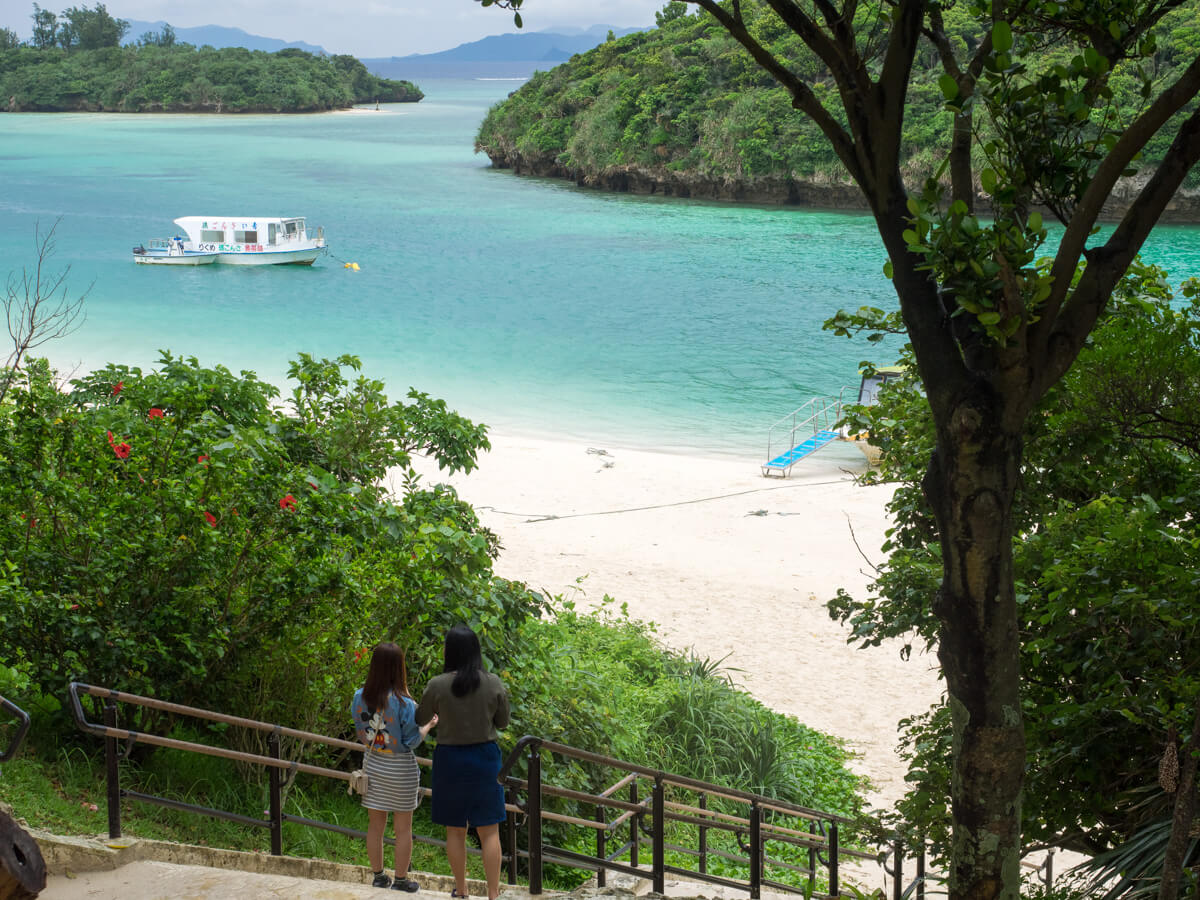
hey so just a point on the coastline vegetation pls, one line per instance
(684, 109)
(187, 533)
(75, 63)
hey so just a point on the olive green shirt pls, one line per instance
(472, 719)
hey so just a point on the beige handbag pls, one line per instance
(358, 782)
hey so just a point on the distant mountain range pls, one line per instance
(500, 55)
(497, 56)
(218, 36)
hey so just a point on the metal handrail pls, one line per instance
(752, 833)
(23, 729)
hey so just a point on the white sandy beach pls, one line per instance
(726, 562)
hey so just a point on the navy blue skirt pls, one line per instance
(465, 790)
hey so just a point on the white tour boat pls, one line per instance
(236, 241)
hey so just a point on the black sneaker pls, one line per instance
(381, 880)
(405, 884)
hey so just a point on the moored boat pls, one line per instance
(249, 241)
(171, 252)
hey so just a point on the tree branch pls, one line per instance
(1067, 331)
(1135, 138)
(803, 98)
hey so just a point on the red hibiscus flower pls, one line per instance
(202, 459)
(110, 437)
(155, 413)
(118, 387)
(211, 519)
(122, 450)
(288, 503)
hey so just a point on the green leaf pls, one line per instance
(1002, 39)
(987, 180)
(948, 85)
(887, 270)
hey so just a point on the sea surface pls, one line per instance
(529, 304)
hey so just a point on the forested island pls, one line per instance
(684, 110)
(75, 63)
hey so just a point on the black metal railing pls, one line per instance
(1043, 871)
(761, 825)
(14, 746)
(276, 766)
(622, 827)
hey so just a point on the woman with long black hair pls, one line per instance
(469, 705)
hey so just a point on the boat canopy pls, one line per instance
(241, 229)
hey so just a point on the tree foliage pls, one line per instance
(179, 533)
(159, 75)
(1104, 554)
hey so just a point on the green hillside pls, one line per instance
(684, 110)
(183, 78)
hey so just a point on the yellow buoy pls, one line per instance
(351, 265)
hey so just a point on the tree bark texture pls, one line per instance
(22, 869)
(970, 483)
(1185, 815)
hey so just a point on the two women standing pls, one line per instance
(468, 705)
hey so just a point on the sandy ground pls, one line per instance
(728, 563)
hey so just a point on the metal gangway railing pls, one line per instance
(623, 827)
(800, 433)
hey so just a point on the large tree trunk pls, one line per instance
(1184, 817)
(970, 484)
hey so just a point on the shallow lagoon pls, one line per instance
(533, 305)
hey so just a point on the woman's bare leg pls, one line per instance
(456, 854)
(402, 822)
(376, 825)
(489, 842)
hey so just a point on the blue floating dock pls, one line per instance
(783, 463)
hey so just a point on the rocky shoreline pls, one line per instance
(777, 190)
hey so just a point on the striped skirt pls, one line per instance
(393, 781)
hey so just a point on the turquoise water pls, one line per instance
(532, 305)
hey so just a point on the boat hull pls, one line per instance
(304, 257)
(156, 258)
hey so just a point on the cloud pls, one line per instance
(366, 28)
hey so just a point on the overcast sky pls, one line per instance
(362, 27)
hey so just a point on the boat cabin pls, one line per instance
(868, 390)
(243, 235)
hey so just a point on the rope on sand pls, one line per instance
(534, 518)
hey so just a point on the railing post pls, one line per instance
(634, 823)
(114, 775)
(1050, 868)
(534, 808)
(703, 848)
(601, 847)
(659, 873)
(756, 852)
(510, 827)
(898, 866)
(276, 812)
(921, 872)
(833, 859)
